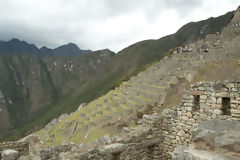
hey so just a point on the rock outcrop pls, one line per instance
(9, 154)
(212, 140)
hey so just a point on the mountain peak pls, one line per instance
(70, 49)
(16, 46)
(14, 40)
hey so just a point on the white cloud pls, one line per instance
(97, 24)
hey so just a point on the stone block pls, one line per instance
(188, 104)
(233, 106)
(184, 118)
(234, 89)
(213, 94)
(189, 115)
(235, 101)
(113, 148)
(203, 97)
(213, 100)
(235, 115)
(189, 109)
(197, 93)
(230, 85)
(219, 101)
(179, 113)
(235, 111)
(222, 94)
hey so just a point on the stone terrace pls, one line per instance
(162, 133)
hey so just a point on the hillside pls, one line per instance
(71, 81)
(168, 104)
(160, 86)
(31, 85)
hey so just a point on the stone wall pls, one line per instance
(159, 134)
(146, 149)
(205, 101)
(139, 143)
(22, 147)
(54, 151)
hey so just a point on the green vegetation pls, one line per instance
(41, 92)
(135, 73)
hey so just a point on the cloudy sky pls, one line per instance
(98, 24)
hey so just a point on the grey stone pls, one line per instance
(53, 122)
(113, 148)
(229, 140)
(62, 117)
(9, 154)
(81, 106)
(212, 127)
(177, 154)
(105, 139)
(83, 156)
(217, 112)
(218, 134)
(193, 154)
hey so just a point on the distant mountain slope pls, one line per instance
(73, 80)
(145, 52)
(30, 86)
(15, 46)
(160, 86)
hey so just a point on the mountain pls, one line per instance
(31, 85)
(38, 87)
(15, 46)
(187, 98)
(147, 51)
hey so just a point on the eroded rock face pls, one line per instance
(218, 134)
(10, 154)
(113, 148)
(212, 140)
(189, 153)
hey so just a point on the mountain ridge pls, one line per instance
(16, 46)
(88, 76)
(108, 126)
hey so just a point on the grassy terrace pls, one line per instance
(83, 125)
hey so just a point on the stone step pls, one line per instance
(118, 99)
(122, 100)
(128, 101)
(131, 100)
(144, 93)
(115, 107)
(151, 89)
(153, 74)
(109, 108)
(135, 97)
(126, 109)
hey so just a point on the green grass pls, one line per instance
(135, 73)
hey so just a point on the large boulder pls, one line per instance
(10, 154)
(178, 153)
(190, 153)
(218, 134)
(193, 154)
(113, 148)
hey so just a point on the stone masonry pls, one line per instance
(160, 134)
(139, 143)
(205, 101)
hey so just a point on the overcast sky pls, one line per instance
(98, 24)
